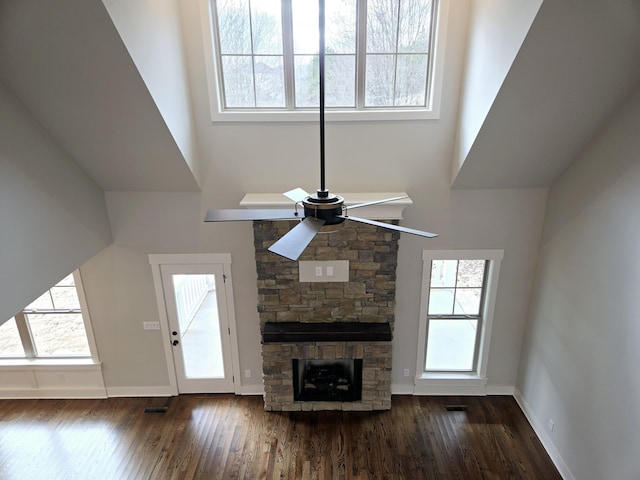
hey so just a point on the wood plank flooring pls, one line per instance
(226, 436)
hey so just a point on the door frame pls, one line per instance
(223, 259)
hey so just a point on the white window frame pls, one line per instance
(458, 383)
(218, 114)
(31, 358)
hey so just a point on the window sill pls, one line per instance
(450, 384)
(453, 376)
(48, 363)
(380, 115)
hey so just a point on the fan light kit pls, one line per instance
(323, 209)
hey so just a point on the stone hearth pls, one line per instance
(368, 297)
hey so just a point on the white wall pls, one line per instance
(379, 156)
(151, 31)
(496, 32)
(580, 357)
(52, 214)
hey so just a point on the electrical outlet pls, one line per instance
(151, 325)
(407, 372)
(247, 374)
(318, 271)
(329, 271)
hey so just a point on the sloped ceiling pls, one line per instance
(578, 63)
(67, 64)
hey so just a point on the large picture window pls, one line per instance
(379, 54)
(52, 326)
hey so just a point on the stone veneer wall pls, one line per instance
(369, 296)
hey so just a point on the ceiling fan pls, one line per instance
(321, 209)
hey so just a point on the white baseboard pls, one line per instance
(547, 443)
(501, 390)
(257, 389)
(167, 391)
(44, 393)
(401, 389)
(162, 391)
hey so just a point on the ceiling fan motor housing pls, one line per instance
(327, 208)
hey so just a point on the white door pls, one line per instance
(199, 329)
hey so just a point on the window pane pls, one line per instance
(471, 273)
(43, 302)
(234, 26)
(305, 26)
(411, 80)
(382, 22)
(65, 298)
(269, 82)
(340, 26)
(451, 345)
(340, 88)
(266, 26)
(415, 26)
(380, 73)
(10, 343)
(58, 334)
(66, 281)
(443, 273)
(306, 78)
(467, 301)
(441, 301)
(238, 81)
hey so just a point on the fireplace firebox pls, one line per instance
(327, 380)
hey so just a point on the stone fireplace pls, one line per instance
(315, 324)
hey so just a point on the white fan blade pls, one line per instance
(293, 243)
(390, 226)
(240, 214)
(376, 202)
(296, 195)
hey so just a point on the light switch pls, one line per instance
(324, 270)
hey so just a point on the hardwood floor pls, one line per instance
(224, 436)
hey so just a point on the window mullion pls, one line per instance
(253, 57)
(25, 335)
(395, 62)
(361, 52)
(287, 55)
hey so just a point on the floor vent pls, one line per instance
(457, 408)
(161, 409)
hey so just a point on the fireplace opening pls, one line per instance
(327, 380)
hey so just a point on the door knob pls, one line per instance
(175, 342)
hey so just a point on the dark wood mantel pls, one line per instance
(293, 332)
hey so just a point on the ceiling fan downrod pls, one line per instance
(323, 192)
(323, 205)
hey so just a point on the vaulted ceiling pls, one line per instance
(578, 63)
(68, 64)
